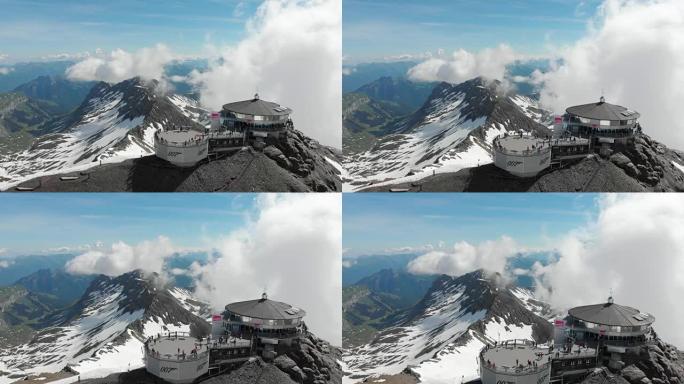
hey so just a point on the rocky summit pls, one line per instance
(662, 363)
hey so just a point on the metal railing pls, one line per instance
(543, 147)
(230, 342)
(198, 140)
(538, 365)
(150, 352)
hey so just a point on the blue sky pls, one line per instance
(375, 222)
(31, 29)
(373, 29)
(36, 222)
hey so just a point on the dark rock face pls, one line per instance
(305, 158)
(653, 162)
(661, 363)
(633, 374)
(664, 364)
(314, 361)
(625, 163)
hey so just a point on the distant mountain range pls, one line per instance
(64, 95)
(355, 76)
(405, 93)
(358, 268)
(375, 300)
(370, 111)
(20, 73)
(24, 265)
(64, 287)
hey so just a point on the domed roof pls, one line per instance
(257, 107)
(265, 309)
(603, 111)
(611, 314)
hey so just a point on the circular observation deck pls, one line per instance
(515, 361)
(183, 148)
(176, 357)
(522, 155)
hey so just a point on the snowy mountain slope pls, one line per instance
(533, 304)
(104, 331)
(531, 108)
(114, 123)
(446, 330)
(191, 303)
(453, 130)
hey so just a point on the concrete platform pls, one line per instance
(520, 144)
(169, 346)
(181, 137)
(511, 356)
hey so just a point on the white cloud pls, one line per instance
(74, 248)
(634, 247)
(178, 79)
(239, 10)
(292, 54)
(407, 249)
(66, 56)
(462, 65)
(5, 263)
(179, 272)
(491, 255)
(633, 52)
(293, 248)
(411, 56)
(3, 56)
(148, 256)
(119, 65)
(5, 70)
